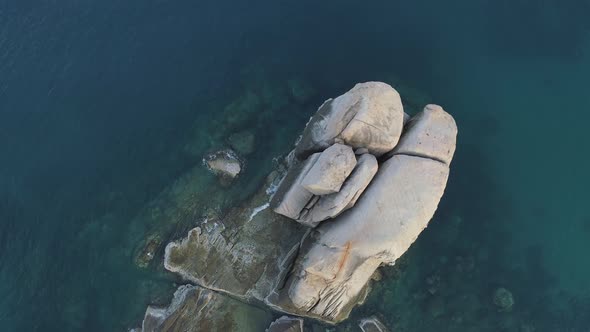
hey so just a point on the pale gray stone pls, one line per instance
(329, 206)
(225, 164)
(430, 134)
(337, 260)
(291, 197)
(286, 324)
(369, 116)
(328, 173)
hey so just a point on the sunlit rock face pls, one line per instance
(338, 258)
(369, 116)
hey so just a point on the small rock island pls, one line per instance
(361, 184)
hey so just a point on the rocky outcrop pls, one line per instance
(225, 164)
(369, 116)
(368, 190)
(286, 324)
(243, 142)
(196, 309)
(338, 258)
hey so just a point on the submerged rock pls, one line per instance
(225, 164)
(243, 142)
(196, 309)
(503, 299)
(147, 252)
(300, 91)
(372, 324)
(286, 324)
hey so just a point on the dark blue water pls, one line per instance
(103, 104)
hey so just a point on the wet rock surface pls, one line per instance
(372, 324)
(286, 324)
(225, 164)
(241, 254)
(196, 309)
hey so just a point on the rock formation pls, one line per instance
(338, 258)
(354, 194)
(286, 324)
(196, 309)
(241, 254)
(369, 116)
(225, 164)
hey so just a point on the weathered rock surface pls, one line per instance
(372, 324)
(148, 250)
(243, 254)
(196, 309)
(369, 116)
(291, 197)
(225, 164)
(430, 134)
(329, 206)
(286, 324)
(328, 173)
(339, 257)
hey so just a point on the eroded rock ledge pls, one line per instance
(359, 187)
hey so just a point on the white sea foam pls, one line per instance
(257, 210)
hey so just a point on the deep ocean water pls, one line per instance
(105, 104)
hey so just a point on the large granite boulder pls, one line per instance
(291, 197)
(330, 206)
(328, 173)
(338, 258)
(196, 309)
(369, 116)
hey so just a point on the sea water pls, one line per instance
(106, 104)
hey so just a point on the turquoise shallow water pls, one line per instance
(104, 105)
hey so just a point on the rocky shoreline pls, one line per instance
(361, 184)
